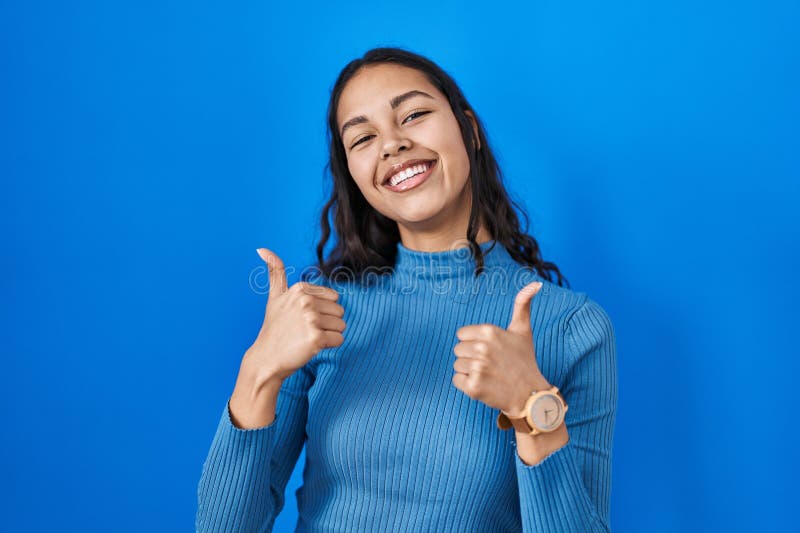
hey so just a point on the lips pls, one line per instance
(402, 166)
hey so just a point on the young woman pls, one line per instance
(440, 375)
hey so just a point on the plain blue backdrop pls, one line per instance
(148, 148)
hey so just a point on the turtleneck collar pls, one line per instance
(456, 262)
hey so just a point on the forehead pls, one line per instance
(371, 89)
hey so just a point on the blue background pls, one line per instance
(147, 149)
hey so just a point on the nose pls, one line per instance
(394, 144)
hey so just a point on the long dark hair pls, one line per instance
(368, 239)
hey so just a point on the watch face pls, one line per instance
(547, 412)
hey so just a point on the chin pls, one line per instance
(419, 215)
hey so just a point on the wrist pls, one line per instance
(536, 383)
(255, 374)
(253, 384)
(253, 401)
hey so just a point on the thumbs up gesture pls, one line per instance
(299, 321)
(498, 366)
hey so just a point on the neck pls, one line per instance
(456, 262)
(440, 240)
(442, 237)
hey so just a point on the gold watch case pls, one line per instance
(544, 412)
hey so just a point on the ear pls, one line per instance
(471, 116)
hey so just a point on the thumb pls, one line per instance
(277, 273)
(521, 318)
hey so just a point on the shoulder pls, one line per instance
(553, 306)
(589, 319)
(341, 277)
(588, 331)
(580, 319)
(586, 344)
(313, 274)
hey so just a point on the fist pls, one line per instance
(498, 365)
(298, 322)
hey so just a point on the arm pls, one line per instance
(245, 474)
(569, 490)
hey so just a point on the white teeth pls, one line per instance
(407, 173)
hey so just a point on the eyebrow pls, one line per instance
(394, 102)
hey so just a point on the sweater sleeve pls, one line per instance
(244, 477)
(569, 491)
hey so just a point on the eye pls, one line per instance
(364, 138)
(415, 113)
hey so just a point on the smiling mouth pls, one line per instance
(406, 170)
(411, 177)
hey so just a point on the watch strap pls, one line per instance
(504, 422)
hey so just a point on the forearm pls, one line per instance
(242, 486)
(233, 493)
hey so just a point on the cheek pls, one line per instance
(451, 146)
(458, 160)
(362, 171)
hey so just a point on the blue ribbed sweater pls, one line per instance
(393, 445)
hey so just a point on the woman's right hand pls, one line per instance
(298, 323)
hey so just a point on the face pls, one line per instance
(393, 119)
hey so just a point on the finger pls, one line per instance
(327, 307)
(277, 273)
(463, 365)
(461, 350)
(462, 383)
(318, 290)
(521, 317)
(475, 332)
(470, 349)
(332, 339)
(331, 323)
(459, 381)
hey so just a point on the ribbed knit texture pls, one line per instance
(393, 446)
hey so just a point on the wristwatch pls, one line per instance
(544, 412)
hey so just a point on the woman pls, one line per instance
(434, 327)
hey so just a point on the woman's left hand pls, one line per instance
(498, 366)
